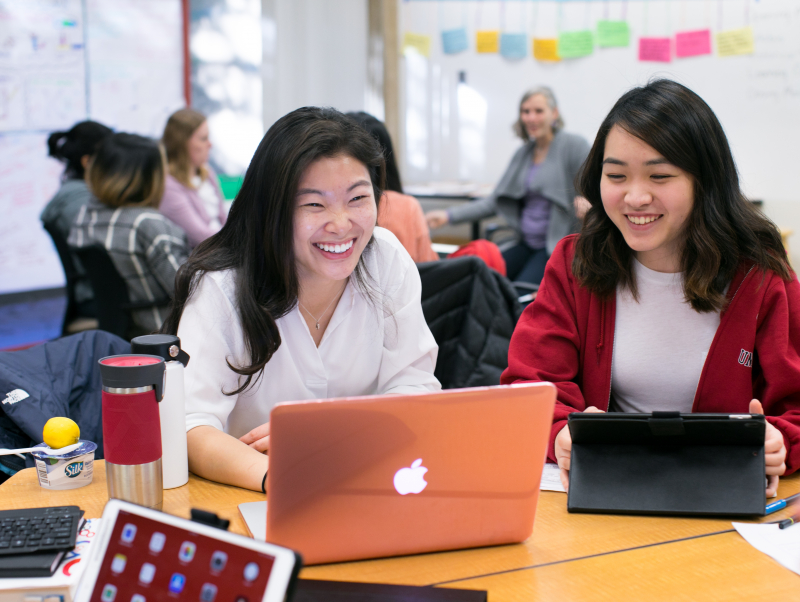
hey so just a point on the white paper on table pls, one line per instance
(782, 545)
(551, 478)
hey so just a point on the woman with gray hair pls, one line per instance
(536, 194)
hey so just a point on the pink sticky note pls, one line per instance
(655, 49)
(692, 43)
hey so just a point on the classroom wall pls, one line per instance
(315, 53)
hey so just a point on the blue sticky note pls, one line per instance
(454, 40)
(514, 45)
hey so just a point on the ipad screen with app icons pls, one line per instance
(149, 556)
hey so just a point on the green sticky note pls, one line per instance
(613, 33)
(574, 44)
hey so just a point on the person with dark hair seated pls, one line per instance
(399, 213)
(74, 148)
(298, 296)
(126, 178)
(677, 294)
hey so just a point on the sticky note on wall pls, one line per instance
(574, 44)
(735, 41)
(487, 41)
(514, 45)
(655, 49)
(417, 42)
(613, 34)
(454, 41)
(545, 49)
(692, 43)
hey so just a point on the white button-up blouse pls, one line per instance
(370, 346)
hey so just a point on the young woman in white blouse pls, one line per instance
(299, 296)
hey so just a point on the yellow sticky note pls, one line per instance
(487, 41)
(735, 41)
(417, 42)
(545, 49)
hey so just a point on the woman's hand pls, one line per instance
(582, 205)
(774, 452)
(564, 449)
(437, 219)
(258, 438)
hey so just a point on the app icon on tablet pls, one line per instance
(147, 572)
(157, 542)
(109, 593)
(118, 564)
(251, 571)
(128, 533)
(186, 552)
(176, 583)
(138, 598)
(208, 593)
(218, 560)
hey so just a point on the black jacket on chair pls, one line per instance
(471, 311)
(57, 378)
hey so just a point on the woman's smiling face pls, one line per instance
(335, 214)
(647, 198)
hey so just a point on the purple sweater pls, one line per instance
(535, 216)
(184, 207)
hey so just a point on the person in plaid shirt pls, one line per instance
(126, 178)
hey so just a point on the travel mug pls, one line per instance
(132, 387)
(172, 409)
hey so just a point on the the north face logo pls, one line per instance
(746, 358)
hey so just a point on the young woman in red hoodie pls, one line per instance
(676, 295)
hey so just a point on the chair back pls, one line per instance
(471, 311)
(110, 290)
(70, 274)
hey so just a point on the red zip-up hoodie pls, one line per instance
(566, 337)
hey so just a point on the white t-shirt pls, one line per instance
(366, 349)
(660, 345)
(207, 194)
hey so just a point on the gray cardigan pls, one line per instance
(554, 180)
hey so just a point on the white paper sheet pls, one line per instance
(551, 478)
(781, 544)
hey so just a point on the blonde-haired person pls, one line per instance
(192, 196)
(126, 178)
(536, 194)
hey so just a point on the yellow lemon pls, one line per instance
(59, 432)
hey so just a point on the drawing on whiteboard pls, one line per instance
(42, 73)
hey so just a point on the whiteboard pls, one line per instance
(454, 132)
(63, 61)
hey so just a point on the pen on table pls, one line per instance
(781, 504)
(788, 522)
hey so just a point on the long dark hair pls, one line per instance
(257, 240)
(379, 131)
(723, 229)
(71, 146)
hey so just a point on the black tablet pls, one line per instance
(667, 463)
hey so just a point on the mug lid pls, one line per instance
(167, 346)
(131, 371)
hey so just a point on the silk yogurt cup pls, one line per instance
(70, 471)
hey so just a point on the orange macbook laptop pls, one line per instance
(366, 477)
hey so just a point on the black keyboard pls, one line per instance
(39, 529)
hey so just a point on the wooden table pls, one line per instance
(569, 556)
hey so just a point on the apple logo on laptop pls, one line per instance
(411, 480)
